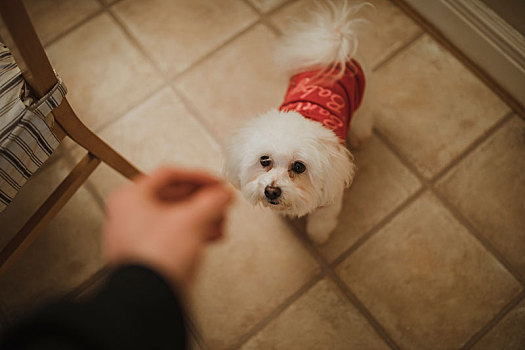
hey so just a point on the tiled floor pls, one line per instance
(430, 249)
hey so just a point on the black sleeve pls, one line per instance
(136, 309)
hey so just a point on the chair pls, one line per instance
(20, 37)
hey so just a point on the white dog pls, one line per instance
(293, 159)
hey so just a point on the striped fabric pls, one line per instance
(26, 141)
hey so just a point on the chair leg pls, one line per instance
(47, 210)
(81, 134)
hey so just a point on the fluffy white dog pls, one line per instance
(293, 159)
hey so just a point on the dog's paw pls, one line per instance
(319, 230)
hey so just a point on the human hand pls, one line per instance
(164, 220)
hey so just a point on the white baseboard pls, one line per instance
(483, 36)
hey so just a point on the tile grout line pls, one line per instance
(329, 271)
(264, 16)
(92, 189)
(378, 227)
(274, 10)
(197, 115)
(194, 331)
(171, 80)
(252, 6)
(88, 185)
(103, 7)
(429, 185)
(262, 20)
(277, 311)
(405, 161)
(480, 238)
(266, 22)
(462, 155)
(62, 35)
(106, 8)
(397, 51)
(95, 278)
(367, 314)
(475, 144)
(105, 125)
(134, 41)
(259, 21)
(280, 7)
(494, 321)
(218, 48)
(72, 294)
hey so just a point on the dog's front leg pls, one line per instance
(321, 222)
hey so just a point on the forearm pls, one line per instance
(136, 309)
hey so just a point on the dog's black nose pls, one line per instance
(272, 193)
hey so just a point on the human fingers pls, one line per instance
(208, 207)
(171, 184)
(177, 191)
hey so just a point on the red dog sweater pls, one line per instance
(329, 102)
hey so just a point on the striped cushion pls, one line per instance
(26, 141)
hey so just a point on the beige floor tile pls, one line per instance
(508, 334)
(227, 90)
(431, 107)
(266, 5)
(488, 188)
(177, 33)
(382, 183)
(389, 28)
(255, 268)
(104, 72)
(322, 318)
(54, 17)
(427, 280)
(158, 132)
(65, 254)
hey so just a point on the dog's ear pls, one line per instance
(344, 166)
(232, 167)
(334, 170)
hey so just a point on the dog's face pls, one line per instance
(288, 163)
(281, 180)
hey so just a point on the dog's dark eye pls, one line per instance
(298, 167)
(265, 161)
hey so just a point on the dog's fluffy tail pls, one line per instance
(326, 40)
